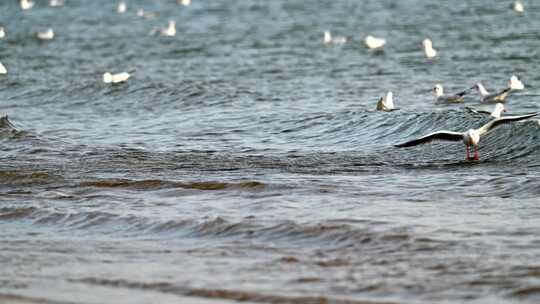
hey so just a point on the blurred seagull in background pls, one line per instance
(469, 138)
(496, 113)
(386, 103)
(115, 78)
(2, 32)
(56, 3)
(184, 2)
(168, 31)
(438, 92)
(145, 15)
(45, 35)
(3, 70)
(518, 7)
(122, 7)
(27, 4)
(374, 43)
(429, 51)
(329, 39)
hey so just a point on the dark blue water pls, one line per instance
(243, 160)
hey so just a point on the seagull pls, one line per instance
(470, 137)
(486, 96)
(328, 39)
(374, 43)
(168, 31)
(145, 15)
(46, 35)
(438, 91)
(3, 70)
(26, 4)
(184, 2)
(496, 113)
(429, 51)
(115, 78)
(122, 7)
(2, 32)
(56, 3)
(515, 83)
(518, 7)
(386, 103)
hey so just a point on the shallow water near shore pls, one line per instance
(244, 161)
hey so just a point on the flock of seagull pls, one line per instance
(470, 138)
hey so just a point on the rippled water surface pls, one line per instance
(243, 159)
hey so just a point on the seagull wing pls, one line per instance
(439, 135)
(499, 121)
(475, 111)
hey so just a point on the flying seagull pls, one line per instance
(469, 138)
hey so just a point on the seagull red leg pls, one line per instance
(476, 157)
(468, 154)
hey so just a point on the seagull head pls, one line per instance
(427, 43)
(327, 37)
(438, 90)
(107, 77)
(499, 108)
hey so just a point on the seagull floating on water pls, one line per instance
(496, 113)
(56, 3)
(329, 39)
(115, 78)
(27, 4)
(469, 138)
(45, 35)
(386, 103)
(518, 7)
(145, 15)
(3, 70)
(429, 51)
(122, 7)
(374, 43)
(170, 30)
(2, 32)
(184, 2)
(438, 91)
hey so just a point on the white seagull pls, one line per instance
(56, 3)
(27, 4)
(170, 30)
(518, 7)
(121, 7)
(184, 2)
(429, 51)
(469, 138)
(329, 39)
(45, 35)
(3, 70)
(438, 91)
(2, 32)
(374, 43)
(496, 113)
(386, 103)
(486, 96)
(115, 78)
(515, 83)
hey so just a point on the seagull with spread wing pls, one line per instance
(469, 138)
